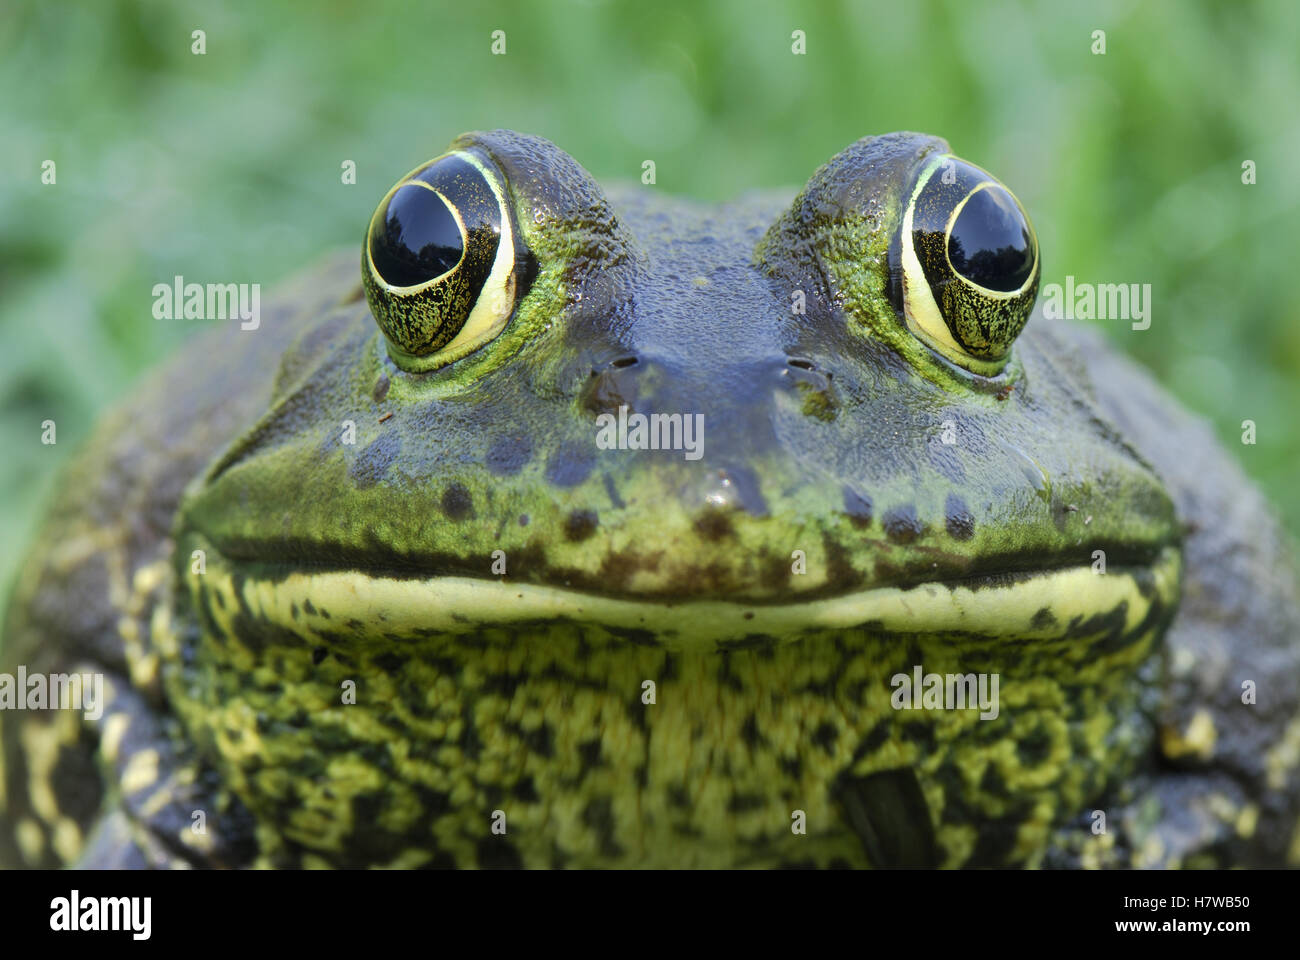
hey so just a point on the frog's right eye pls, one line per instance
(964, 266)
(439, 261)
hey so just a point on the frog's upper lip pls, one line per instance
(277, 558)
(1050, 602)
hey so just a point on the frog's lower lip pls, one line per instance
(1053, 603)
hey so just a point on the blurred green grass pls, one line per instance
(226, 166)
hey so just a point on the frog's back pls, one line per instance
(86, 591)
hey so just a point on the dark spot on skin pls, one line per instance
(525, 790)
(956, 809)
(293, 610)
(308, 607)
(390, 663)
(373, 461)
(997, 839)
(713, 524)
(727, 677)
(1043, 619)
(580, 524)
(749, 730)
(858, 508)
(957, 518)
(826, 736)
(839, 567)
(752, 641)
(318, 654)
(678, 796)
(1034, 748)
(873, 741)
(508, 455)
(668, 670)
(457, 504)
(749, 615)
(523, 519)
(901, 524)
(589, 751)
(742, 802)
(503, 684)
(599, 816)
(570, 465)
(381, 388)
(992, 782)
(636, 635)
(618, 567)
(776, 571)
(75, 780)
(922, 734)
(540, 741)
(470, 742)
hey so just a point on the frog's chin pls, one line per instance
(1050, 604)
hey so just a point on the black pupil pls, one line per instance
(416, 240)
(990, 243)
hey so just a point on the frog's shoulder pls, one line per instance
(1228, 715)
(113, 505)
(85, 593)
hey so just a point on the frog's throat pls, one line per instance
(1049, 605)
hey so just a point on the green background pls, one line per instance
(226, 167)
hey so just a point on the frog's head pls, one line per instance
(849, 406)
(570, 440)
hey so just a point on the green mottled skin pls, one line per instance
(823, 435)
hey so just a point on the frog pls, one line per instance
(592, 527)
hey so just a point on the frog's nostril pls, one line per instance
(801, 363)
(609, 387)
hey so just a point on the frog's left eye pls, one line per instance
(439, 261)
(965, 264)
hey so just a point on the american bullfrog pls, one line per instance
(597, 528)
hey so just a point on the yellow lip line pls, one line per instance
(326, 601)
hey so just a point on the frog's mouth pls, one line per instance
(1048, 604)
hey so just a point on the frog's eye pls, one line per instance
(964, 265)
(439, 261)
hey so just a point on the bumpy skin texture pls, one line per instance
(328, 564)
